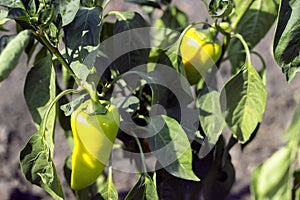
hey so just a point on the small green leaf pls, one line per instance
(243, 100)
(286, 46)
(271, 180)
(109, 192)
(211, 117)
(38, 167)
(144, 189)
(220, 8)
(170, 145)
(3, 16)
(80, 70)
(71, 106)
(128, 104)
(18, 14)
(10, 55)
(46, 16)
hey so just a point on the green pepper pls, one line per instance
(94, 135)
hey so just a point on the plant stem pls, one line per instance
(109, 178)
(82, 194)
(240, 17)
(60, 95)
(56, 52)
(248, 57)
(142, 154)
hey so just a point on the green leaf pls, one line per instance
(39, 96)
(128, 104)
(170, 145)
(253, 27)
(128, 20)
(4, 40)
(172, 18)
(271, 180)
(12, 3)
(81, 71)
(68, 169)
(19, 14)
(3, 18)
(38, 167)
(109, 192)
(10, 55)
(70, 107)
(82, 35)
(211, 118)
(286, 46)
(144, 189)
(220, 8)
(292, 134)
(68, 10)
(296, 189)
(243, 100)
(107, 31)
(131, 41)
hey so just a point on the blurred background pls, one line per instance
(16, 125)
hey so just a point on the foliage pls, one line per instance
(132, 60)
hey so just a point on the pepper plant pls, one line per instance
(154, 84)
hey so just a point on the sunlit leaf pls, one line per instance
(38, 167)
(286, 44)
(171, 147)
(243, 100)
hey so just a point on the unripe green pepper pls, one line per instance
(199, 49)
(94, 136)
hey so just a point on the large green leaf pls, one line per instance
(171, 147)
(253, 27)
(10, 55)
(287, 39)
(38, 167)
(131, 46)
(211, 118)
(243, 100)
(128, 20)
(82, 35)
(39, 96)
(271, 180)
(144, 189)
